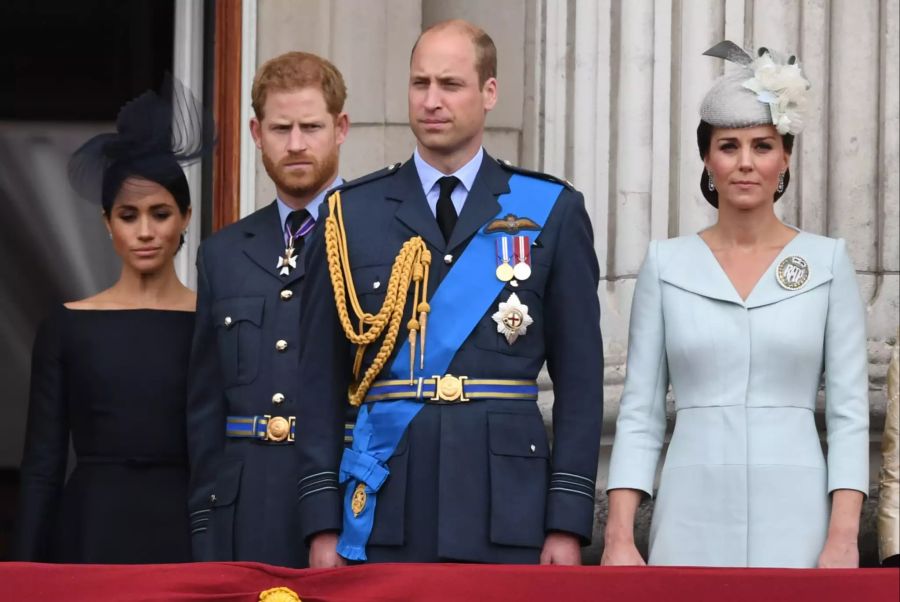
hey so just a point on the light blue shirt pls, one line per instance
(429, 176)
(313, 207)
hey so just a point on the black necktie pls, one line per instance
(298, 225)
(446, 212)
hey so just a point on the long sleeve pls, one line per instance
(846, 380)
(205, 417)
(575, 363)
(324, 375)
(641, 425)
(46, 448)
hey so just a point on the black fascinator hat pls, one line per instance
(155, 135)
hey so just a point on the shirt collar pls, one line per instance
(313, 207)
(429, 176)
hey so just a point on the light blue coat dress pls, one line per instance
(745, 481)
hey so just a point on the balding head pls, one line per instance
(485, 51)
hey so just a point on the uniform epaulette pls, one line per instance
(375, 175)
(507, 165)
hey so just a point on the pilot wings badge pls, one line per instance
(512, 318)
(511, 224)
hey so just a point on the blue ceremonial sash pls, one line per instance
(456, 307)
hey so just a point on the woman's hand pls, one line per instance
(619, 548)
(841, 550)
(621, 554)
(839, 553)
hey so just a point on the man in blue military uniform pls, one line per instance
(450, 459)
(242, 392)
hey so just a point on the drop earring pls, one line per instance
(709, 180)
(780, 182)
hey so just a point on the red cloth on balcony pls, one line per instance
(243, 582)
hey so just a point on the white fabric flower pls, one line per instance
(783, 87)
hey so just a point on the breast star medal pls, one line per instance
(287, 262)
(792, 273)
(512, 318)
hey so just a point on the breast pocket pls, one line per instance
(239, 328)
(371, 284)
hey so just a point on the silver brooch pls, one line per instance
(792, 272)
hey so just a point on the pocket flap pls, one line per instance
(228, 482)
(516, 434)
(238, 309)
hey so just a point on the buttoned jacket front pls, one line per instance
(745, 482)
(473, 481)
(243, 364)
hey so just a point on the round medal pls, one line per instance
(522, 271)
(792, 273)
(504, 272)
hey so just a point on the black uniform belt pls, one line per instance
(453, 389)
(273, 429)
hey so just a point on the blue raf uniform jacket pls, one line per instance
(477, 481)
(243, 363)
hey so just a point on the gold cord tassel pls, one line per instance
(410, 266)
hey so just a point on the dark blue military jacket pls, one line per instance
(476, 481)
(243, 363)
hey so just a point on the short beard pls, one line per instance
(323, 171)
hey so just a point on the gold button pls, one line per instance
(278, 399)
(277, 428)
(286, 294)
(448, 259)
(281, 345)
(228, 320)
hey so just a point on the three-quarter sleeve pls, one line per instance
(846, 380)
(46, 447)
(641, 424)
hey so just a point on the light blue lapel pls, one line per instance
(691, 266)
(817, 252)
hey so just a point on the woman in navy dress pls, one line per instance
(109, 371)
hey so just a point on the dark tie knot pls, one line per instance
(296, 219)
(447, 184)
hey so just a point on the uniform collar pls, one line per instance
(429, 175)
(313, 207)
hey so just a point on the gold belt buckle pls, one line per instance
(278, 428)
(449, 389)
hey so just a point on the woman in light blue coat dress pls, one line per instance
(742, 319)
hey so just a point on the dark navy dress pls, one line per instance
(115, 382)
